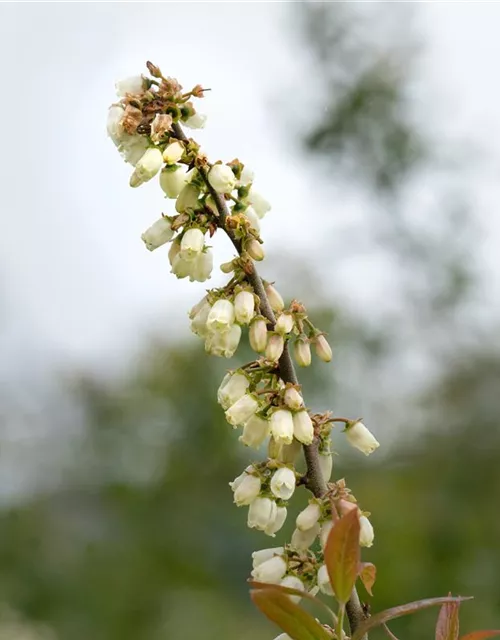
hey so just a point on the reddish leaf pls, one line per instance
(293, 592)
(447, 623)
(368, 575)
(342, 555)
(481, 635)
(396, 612)
(293, 620)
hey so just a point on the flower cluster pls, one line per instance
(260, 398)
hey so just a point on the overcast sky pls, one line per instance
(75, 280)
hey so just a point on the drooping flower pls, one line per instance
(326, 465)
(223, 344)
(261, 513)
(282, 426)
(173, 152)
(188, 198)
(366, 532)
(147, 167)
(232, 388)
(324, 581)
(221, 316)
(302, 352)
(275, 346)
(246, 177)
(361, 438)
(247, 490)
(283, 483)
(302, 540)
(271, 570)
(202, 266)
(258, 557)
(222, 178)
(323, 349)
(172, 180)
(181, 268)
(308, 517)
(254, 249)
(192, 244)
(134, 84)
(253, 219)
(158, 234)
(279, 520)
(326, 527)
(255, 431)
(257, 334)
(199, 319)
(293, 399)
(258, 202)
(284, 323)
(293, 582)
(275, 299)
(196, 121)
(303, 429)
(242, 410)
(244, 307)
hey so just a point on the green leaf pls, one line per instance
(368, 575)
(293, 620)
(481, 635)
(396, 612)
(342, 555)
(293, 592)
(448, 623)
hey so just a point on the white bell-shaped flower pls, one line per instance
(282, 426)
(158, 234)
(242, 410)
(361, 438)
(222, 178)
(283, 483)
(303, 429)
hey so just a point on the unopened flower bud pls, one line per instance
(302, 540)
(258, 202)
(323, 349)
(255, 431)
(147, 167)
(308, 517)
(246, 490)
(282, 426)
(366, 533)
(199, 320)
(275, 346)
(242, 410)
(275, 299)
(271, 571)
(361, 438)
(302, 352)
(303, 428)
(173, 152)
(292, 582)
(283, 483)
(188, 199)
(196, 121)
(227, 267)
(326, 527)
(258, 334)
(158, 234)
(134, 84)
(244, 307)
(254, 250)
(325, 464)
(284, 323)
(173, 180)
(253, 219)
(221, 316)
(258, 557)
(293, 399)
(202, 266)
(262, 513)
(324, 581)
(279, 520)
(232, 388)
(223, 345)
(222, 178)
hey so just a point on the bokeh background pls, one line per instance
(374, 131)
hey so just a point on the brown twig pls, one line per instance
(315, 481)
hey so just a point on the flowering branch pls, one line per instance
(264, 396)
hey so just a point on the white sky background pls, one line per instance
(76, 284)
